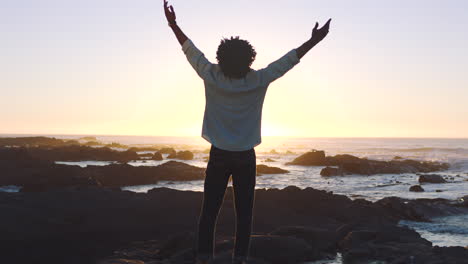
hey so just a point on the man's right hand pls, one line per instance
(318, 34)
(170, 14)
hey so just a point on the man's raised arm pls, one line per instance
(278, 68)
(171, 19)
(317, 36)
(195, 57)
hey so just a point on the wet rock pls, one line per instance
(184, 155)
(313, 158)
(363, 166)
(116, 145)
(80, 153)
(147, 148)
(464, 201)
(416, 188)
(431, 178)
(146, 155)
(157, 156)
(330, 171)
(264, 169)
(169, 151)
(18, 167)
(92, 144)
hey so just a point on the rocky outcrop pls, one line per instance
(169, 151)
(36, 142)
(264, 169)
(431, 178)
(312, 158)
(18, 167)
(78, 153)
(147, 148)
(290, 226)
(416, 188)
(353, 165)
(157, 156)
(330, 171)
(184, 155)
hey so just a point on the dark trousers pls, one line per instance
(222, 164)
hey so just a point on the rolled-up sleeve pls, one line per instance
(278, 68)
(197, 59)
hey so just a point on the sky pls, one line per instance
(113, 67)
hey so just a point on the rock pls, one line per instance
(169, 151)
(264, 169)
(157, 226)
(116, 145)
(322, 240)
(313, 158)
(397, 158)
(121, 261)
(380, 244)
(92, 144)
(273, 151)
(431, 178)
(36, 142)
(18, 167)
(330, 171)
(184, 155)
(146, 155)
(362, 166)
(416, 188)
(280, 250)
(176, 243)
(145, 148)
(157, 156)
(269, 160)
(80, 153)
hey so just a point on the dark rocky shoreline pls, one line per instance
(68, 214)
(89, 224)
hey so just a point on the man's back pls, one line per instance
(233, 111)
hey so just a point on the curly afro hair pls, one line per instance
(235, 56)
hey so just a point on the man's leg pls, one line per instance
(216, 180)
(244, 179)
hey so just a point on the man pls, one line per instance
(234, 98)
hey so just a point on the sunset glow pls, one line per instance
(387, 69)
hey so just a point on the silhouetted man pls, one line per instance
(234, 98)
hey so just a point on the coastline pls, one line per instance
(82, 193)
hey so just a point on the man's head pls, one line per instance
(235, 56)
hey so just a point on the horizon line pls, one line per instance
(120, 135)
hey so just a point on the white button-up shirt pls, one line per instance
(233, 110)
